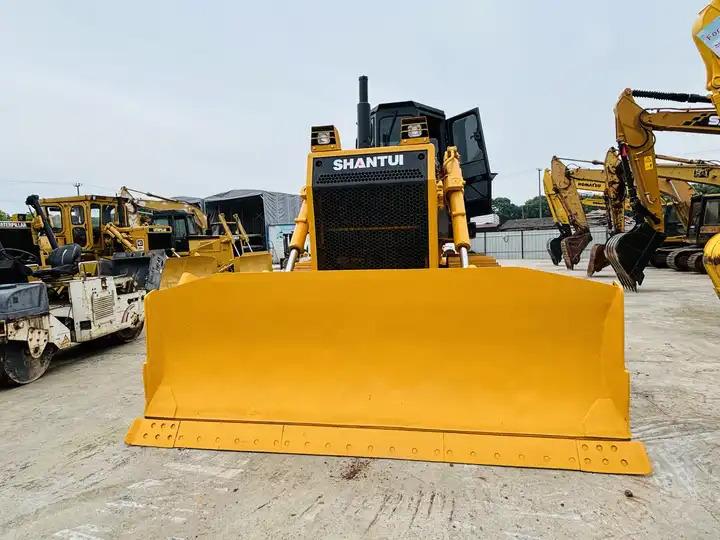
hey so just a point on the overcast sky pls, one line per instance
(198, 97)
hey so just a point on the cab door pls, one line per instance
(465, 131)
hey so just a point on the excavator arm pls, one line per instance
(565, 183)
(629, 253)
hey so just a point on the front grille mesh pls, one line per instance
(393, 175)
(379, 221)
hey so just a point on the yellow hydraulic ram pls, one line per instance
(365, 353)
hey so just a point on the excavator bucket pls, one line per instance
(629, 253)
(597, 260)
(712, 261)
(378, 363)
(554, 249)
(573, 246)
(177, 267)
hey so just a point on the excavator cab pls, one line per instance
(704, 218)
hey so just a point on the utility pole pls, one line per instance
(77, 187)
(539, 193)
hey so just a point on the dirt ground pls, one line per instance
(67, 474)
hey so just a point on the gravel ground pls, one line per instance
(67, 474)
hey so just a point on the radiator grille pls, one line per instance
(392, 175)
(103, 306)
(371, 219)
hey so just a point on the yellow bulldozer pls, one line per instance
(368, 353)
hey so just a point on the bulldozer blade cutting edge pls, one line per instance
(180, 269)
(555, 250)
(572, 248)
(376, 363)
(597, 260)
(711, 260)
(629, 253)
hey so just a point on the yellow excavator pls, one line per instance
(562, 185)
(630, 252)
(681, 203)
(706, 32)
(363, 354)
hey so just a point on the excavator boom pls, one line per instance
(629, 253)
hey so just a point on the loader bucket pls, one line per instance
(393, 364)
(711, 260)
(177, 267)
(629, 253)
(573, 246)
(597, 260)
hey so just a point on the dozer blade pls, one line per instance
(179, 269)
(572, 248)
(597, 260)
(630, 252)
(380, 363)
(554, 249)
(711, 260)
(258, 261)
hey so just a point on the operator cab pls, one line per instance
(181, 224)
(704, 217)
(463, 131)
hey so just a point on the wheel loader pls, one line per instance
(373, 350)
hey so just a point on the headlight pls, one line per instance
(414, 130)
(323, 137)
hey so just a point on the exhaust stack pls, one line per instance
(363, 115)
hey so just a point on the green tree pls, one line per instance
(4, 215)
(505, 209)
(704, 188)
(532, 207)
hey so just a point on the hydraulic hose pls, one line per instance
(671, 96)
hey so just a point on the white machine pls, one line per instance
(33, 328)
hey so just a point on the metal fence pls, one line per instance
(525, 244)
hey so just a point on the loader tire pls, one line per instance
(128, 334)
(17, 365)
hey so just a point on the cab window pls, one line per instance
(109, 214)
(180, 228)
(95, 220)
(77, 215)
(464, 130)
(54, 215)
(712, 212)
(390, 130)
